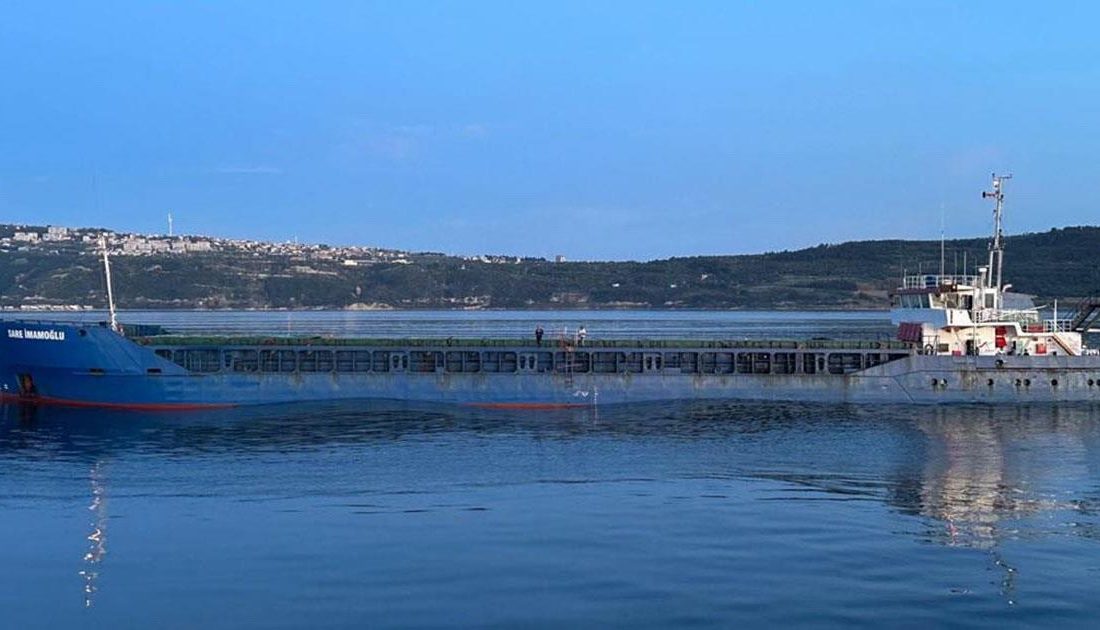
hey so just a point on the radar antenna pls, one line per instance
(996, 246)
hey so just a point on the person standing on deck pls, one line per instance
(538, 335)
(581, 334)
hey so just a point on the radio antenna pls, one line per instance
(942, 256)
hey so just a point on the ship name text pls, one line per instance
(40, 335)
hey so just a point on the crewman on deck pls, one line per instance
(538, 335)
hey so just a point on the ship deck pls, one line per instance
(549, 344)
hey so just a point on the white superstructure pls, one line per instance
(976, 314)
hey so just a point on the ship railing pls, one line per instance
(1025, 316)
(526, 344)
(931, 281)
(1057, 325)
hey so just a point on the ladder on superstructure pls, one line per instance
(1086, 314)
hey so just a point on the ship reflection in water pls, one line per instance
(990, 474)
(97, 538)
(829, 499)
(980, 478)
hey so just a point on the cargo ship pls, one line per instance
(959, 340)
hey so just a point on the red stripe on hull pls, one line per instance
(64, 402)
(520, 405)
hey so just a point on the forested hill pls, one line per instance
(1061, 263)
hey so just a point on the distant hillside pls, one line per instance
(1060, 263)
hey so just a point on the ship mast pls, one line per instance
(996, 246)
(110, 291)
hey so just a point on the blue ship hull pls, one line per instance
(71, 364)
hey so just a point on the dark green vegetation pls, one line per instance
(1060, 263)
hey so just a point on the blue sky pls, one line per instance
(617, 130)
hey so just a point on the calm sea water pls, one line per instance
(711, 515)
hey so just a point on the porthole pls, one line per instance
(989, 382)
(1054, 382)
(1027, 382)
(935, 383)
(1091, 382)
(1018, 382)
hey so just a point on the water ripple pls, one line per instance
(711, 514)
